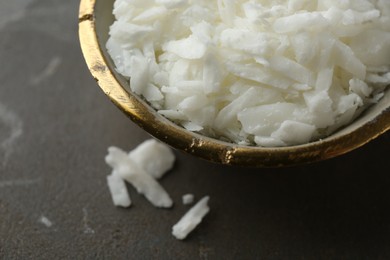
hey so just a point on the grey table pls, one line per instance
(56, 125)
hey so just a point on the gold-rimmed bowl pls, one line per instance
(95, 17)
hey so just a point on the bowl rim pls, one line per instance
(205, 147)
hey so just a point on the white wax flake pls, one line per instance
(291, 69)
(45, 221)
(187, 198)
(326, 59)
(154, 157)
(172, 3)
(212, 74)
(246, 41)
(151, 14)
(191, 219)
(118, 190)
(189, 48)
(300, 21)
(148, 161)
(290, 131)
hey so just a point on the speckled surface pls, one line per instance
(55, 127)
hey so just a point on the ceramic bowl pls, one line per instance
(95, 17)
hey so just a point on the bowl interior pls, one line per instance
(371, 123)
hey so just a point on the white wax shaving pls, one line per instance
(191, 219)
(45, 221)
(187, 199)
(119, 194)
(154, 157)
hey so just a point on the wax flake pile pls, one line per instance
(266, 73)
(142, 167)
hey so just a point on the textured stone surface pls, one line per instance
(55, 127)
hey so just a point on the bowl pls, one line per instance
(95, 17)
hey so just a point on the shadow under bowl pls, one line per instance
(95, 17)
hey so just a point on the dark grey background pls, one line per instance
(58, 124)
